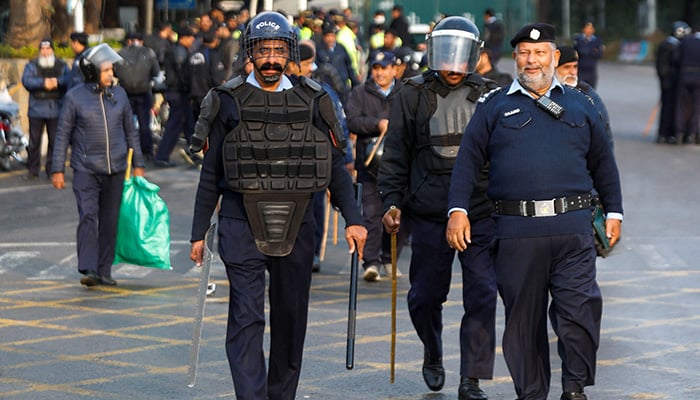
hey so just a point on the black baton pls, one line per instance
(352, 303)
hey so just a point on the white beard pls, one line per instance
(47, 62)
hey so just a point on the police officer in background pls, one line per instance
(567, 73)
(137, 74)
(79, 44)
(688, 106)
(270, 120)
(547, 149)
(427, 121)
(368, 118)
(667, 70)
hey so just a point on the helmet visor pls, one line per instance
(102, 53)
(453, 50)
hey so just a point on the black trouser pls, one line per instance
(528, 271)
(667, 114)
(181, 119)
(36, 133)
(290, 282)
(688, 106)
(430, 275)
(141, 105)
(377, 249)
(99, 198)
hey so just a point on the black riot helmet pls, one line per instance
(679, 29)
(454, 45)
(91, 63)
(270, 25)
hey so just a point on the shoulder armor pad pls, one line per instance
(489, 95)
(232, 84)
(417, 80)
(310, 83)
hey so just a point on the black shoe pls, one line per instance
(90, 279)
(107, 281)
(671, 140)
(316, 267)
(433, 372)
(573, 396)
(163, 164)
(30, 177)
(469, 390)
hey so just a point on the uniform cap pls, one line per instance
(534, 33)
(134, 35)
(305, 51)
(383, 58)
(568, 54)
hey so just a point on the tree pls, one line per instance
(30, 21)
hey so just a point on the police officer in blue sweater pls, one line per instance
(547, 149)
(427, 120)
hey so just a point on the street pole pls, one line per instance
(566, 18)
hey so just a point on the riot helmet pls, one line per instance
(91, 63)
(454, 45)
(270, 25)
(679, 29)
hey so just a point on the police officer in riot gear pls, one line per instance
(427, 121)
(272, 144)
(667, 70)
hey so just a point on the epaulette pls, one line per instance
(230, 85)
(488, 95)
(310, 83)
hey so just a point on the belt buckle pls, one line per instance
(544, 208)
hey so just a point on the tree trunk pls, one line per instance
(29, 22)
(62, 23)
(93, 15)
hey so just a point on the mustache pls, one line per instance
(272, 66)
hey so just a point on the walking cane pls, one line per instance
(326, 223)
(201, 300)
(394, 267)
(352, 303)
(652, 118)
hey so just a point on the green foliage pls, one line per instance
(30, 52)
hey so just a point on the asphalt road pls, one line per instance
(59, 340)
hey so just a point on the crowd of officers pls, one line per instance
(678, 68)
(448, 150)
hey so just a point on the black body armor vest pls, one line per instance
(277, 158)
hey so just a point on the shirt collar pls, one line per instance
(285, 83)
(517, 87)
(385, 92)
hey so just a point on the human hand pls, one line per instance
(458, 232)
(139, 172)
(383, 125)
(197, 252)
(613, 230)
(392, 220)
(356, 236)
(58, 180)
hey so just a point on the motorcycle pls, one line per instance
(13, 142)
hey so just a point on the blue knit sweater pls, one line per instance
(534, 156)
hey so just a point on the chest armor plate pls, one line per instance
(276, 158)
(448, 123)
(275, 147)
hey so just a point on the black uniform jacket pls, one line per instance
(406, 179)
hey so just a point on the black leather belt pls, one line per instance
(543, 208)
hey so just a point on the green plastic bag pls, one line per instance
(143, 233)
